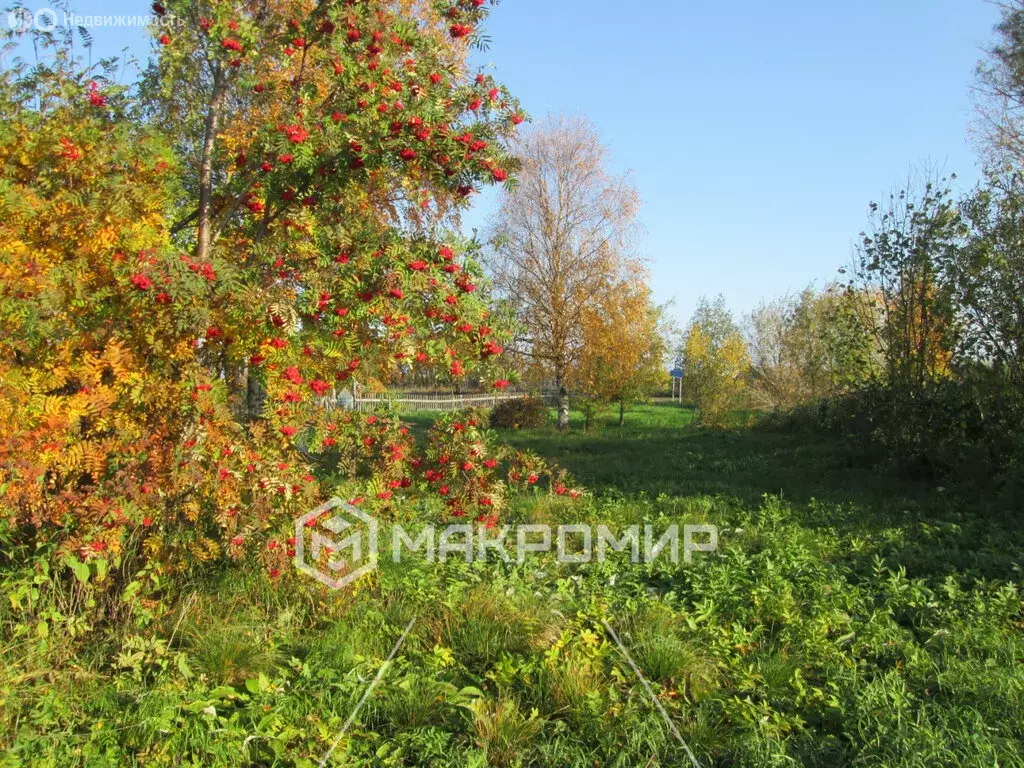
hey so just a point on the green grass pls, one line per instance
(849, 618)
(660, 451)
(830, 484)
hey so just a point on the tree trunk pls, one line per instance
(254, 396)
(238, 382)
(563, 408)
(206, 164)
(622, 412)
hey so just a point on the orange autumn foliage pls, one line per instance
(180, 298)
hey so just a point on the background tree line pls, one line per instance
(918, 346)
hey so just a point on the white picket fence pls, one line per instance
(439, 401)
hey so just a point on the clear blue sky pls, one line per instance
(755, 132)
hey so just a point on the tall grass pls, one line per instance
(849, 618)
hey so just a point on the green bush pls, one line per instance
(968, 427)
(520, 413)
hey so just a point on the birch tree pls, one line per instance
(558, 241)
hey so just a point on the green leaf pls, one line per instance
(81, 570)
(184, 668)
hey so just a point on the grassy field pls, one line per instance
(848, 618)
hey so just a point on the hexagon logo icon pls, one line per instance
(312, 543)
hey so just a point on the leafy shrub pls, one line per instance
(460, 466)
(520, 413)
(970, 426)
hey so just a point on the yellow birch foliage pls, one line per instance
(713, 372)
(622, 359)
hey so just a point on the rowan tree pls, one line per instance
(278, 218)
(559, 241)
